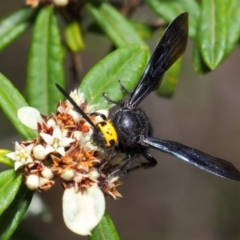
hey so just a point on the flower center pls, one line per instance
(22, 156)
(56, 143)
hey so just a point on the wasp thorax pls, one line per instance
(131, 124)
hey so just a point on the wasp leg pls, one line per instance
(109, 159)
(124, 168)
(152, 162)
(119, 103)
(110, 101)
(123, 88)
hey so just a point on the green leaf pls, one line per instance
(73, 37)
(170, 80)
(198, 63)
(13, 215)
(10, 182)
(233, 20)
(125, 64)
(104, 230)
(5, 160)
(171, 9)
(143, 30)
(14, 25)
(116, 27)
(45, 64)
(212, 34)
(10, 101)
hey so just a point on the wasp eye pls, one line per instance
(103, 123)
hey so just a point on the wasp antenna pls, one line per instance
(76, 107)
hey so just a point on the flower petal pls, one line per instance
(47, 138)
(11, 155)
(17, 165)
(29, 116)
(60, 150)
(49, 149)
(83, 211)
(28, 149)
(18, 147)
(57, 132)
(66, 141)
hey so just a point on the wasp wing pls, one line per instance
(171, 46)
(198, 158)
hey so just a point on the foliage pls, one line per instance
(213, 28)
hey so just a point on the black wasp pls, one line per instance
(130, 129)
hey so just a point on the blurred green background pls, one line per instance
(174, 200)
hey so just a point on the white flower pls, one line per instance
(83, 211)
(61, 108)
(89, 146)
(39, 152)
(80, 99)
(94, 174)
(32, 182)
(51, 123)
(78, 178)
(81, 137)
(75, 115)
(22, 155)
(56, 142)
(29, 116)
(61, 3)
(47, 173)
(77, 96)
(67, 174)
